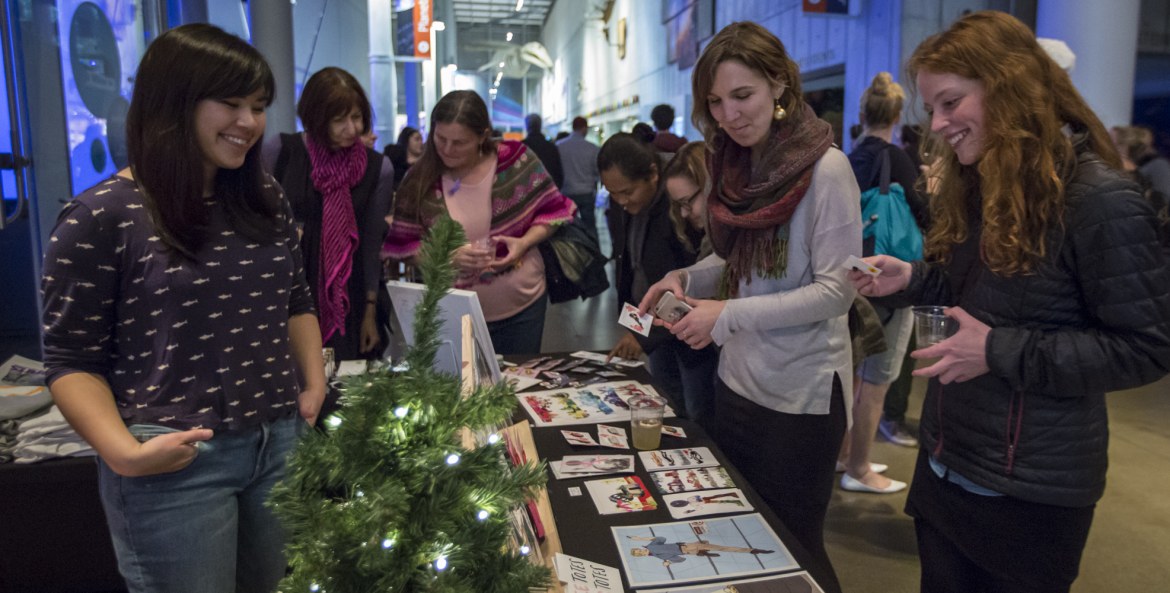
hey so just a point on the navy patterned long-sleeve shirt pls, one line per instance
(182, 343)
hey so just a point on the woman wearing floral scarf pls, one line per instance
(783, 217)
(340, 192)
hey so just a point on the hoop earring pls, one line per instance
(779, 113)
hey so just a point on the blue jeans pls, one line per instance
(204, 528)
(522, 332)
(689, 378)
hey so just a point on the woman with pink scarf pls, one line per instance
(340, 193)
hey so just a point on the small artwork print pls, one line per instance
(620, 495)
(674, 431)
(591, 404)
(577, 466)
(578, 438)
(700, 550)
(797, 582)
(678, 458)
(612, 436)
(689, 480)
(707, 502)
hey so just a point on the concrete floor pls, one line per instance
(870, 539)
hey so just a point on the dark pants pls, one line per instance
(522, 332)
(969, 543)
(689, 378)
(790, 459)
(586, 207)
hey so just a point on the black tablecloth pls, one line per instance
(585, 533)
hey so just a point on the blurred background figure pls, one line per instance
(664, 140)
(404, 153)
(579, 159)
(340, 192)
(881, 112)
(542, 148)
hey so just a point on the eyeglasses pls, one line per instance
(685, 203)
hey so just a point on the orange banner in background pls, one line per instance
(423, 16)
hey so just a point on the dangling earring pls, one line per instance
(779, 113)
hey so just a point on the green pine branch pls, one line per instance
(386, 498)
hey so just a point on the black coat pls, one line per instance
(662, 252)
(1094, 317)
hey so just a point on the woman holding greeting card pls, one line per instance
(783, 216)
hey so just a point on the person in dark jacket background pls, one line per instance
(1049, 259)
(546, 151)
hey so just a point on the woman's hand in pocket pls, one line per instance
(163, 454)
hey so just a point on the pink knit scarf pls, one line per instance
(334, 173)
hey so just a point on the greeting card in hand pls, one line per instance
(620, 495)
(630, 318)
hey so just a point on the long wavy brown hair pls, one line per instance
(1027, 159)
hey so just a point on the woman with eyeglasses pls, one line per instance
(646, 247)
(687, 186)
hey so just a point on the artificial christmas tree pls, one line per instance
(387, 498)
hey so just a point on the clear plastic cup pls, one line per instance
(931, 325)
(646, 413)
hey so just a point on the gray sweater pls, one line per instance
(783, 339)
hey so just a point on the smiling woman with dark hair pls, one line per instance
(180, 337)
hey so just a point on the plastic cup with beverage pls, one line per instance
(931, 325)
(646, 413)
(487, 244)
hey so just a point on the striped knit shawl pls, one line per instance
(522, 195)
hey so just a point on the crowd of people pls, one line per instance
(187, 349)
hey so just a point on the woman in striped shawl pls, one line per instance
(507, 204)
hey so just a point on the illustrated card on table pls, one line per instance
(630, 318)
(579, 466)
(707, 502)
(578, 438)
(674, 431)
(677, 458)
(612, 436)
(600, 358)
(689, 480)
(620, 495)
(797, 582)
(591, 404)
(701, 550)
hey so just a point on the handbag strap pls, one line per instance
(885, 174)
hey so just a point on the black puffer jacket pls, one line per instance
(1094, 317)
